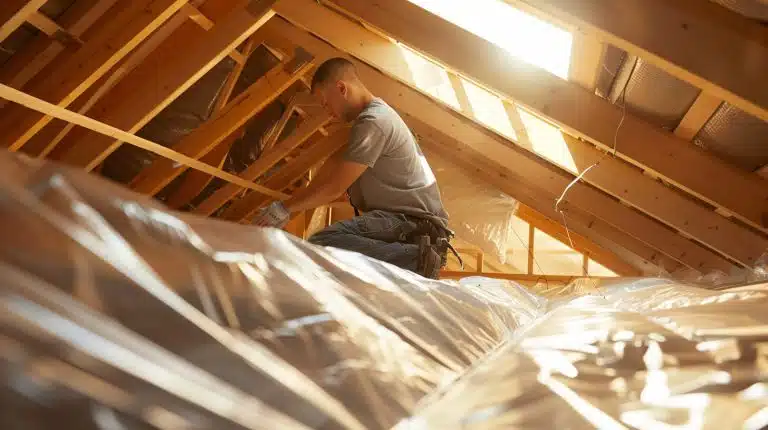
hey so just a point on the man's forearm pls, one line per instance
(316, 194)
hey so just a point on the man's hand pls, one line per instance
(274, 215)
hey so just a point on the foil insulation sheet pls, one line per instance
(116, 313)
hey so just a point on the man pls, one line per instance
(385, 174)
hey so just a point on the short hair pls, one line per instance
(332, 70)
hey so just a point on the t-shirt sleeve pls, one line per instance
(366, 143)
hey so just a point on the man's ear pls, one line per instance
(342, 86)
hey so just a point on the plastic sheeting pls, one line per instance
(644, 354)
(115, 313)
(480, 214)
(118, 314)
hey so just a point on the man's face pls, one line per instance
(333, 97)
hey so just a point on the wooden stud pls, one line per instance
(562, 102)
(211, 133)
(40, 52)
(94, 59)
(586, 60)
(244, 209)
(703, 43)
(265, 162)
(44, 24)
(580, 243)
(54, 111)
(47, 140)
(187, 56)
(531, 258)
(13, 13)
(697, 116)
(585, 264)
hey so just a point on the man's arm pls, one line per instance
(332, 180)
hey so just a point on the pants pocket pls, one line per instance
(384, 226)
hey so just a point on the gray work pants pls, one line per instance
(377, 234)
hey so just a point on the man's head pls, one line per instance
(339, 89)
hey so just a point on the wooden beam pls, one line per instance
(211, 133)
(667, 205)
(54, 111)
(520, 277)
(244, 209)
(580, 242)
(71, 79)
(562, 102)
(643, 256)
(698, 114)
(44, 24)
(267, 160)
(407, 101)
(703, 43)
(186, 56)
(40, 52)
(531, 240)
(46, 141)
(586, 60)
(13, 13)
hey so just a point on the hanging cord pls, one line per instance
(597, 163)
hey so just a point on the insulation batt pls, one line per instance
(116, 313)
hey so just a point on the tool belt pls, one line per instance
(439, 238)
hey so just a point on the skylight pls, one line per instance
(523, 36)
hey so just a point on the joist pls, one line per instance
(267, 160)
(186, 56)
(697, 116)
(47, 139)
(124, 32)
(244, 209)
(703, 43)
(665, 204)
(580, 221)
(45, 24)
(41, 51)
(410, 102)
(195, 182)
(577, 241)
(13, 13)
(39, 105)
(203, 139)
(586, 60)
(579, 112)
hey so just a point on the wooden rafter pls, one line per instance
(586, 60)
(39, 105)
(13, 13)
(69, 80)
(703, 43)
(244, 209)
(697, 116)
(234, 116)
(41, 51)
(185, 57)
(574, 240)
(412, 104)
(267, 160)
(563, 102)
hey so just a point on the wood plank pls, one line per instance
(586, 60)
(703, 43)
(40, 52)
(698, 114)
(562, 102)
(13, 13)
(186, 56)
(267, 160)
(212, 132)
(580, 243)
(246, 208)
(48, 139)
(54, 111)
(72, 78)
(640, 254)
(531, 243)
(44, 24)
(408, 101)
(521, 277)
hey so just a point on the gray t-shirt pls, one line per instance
(399, 178)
